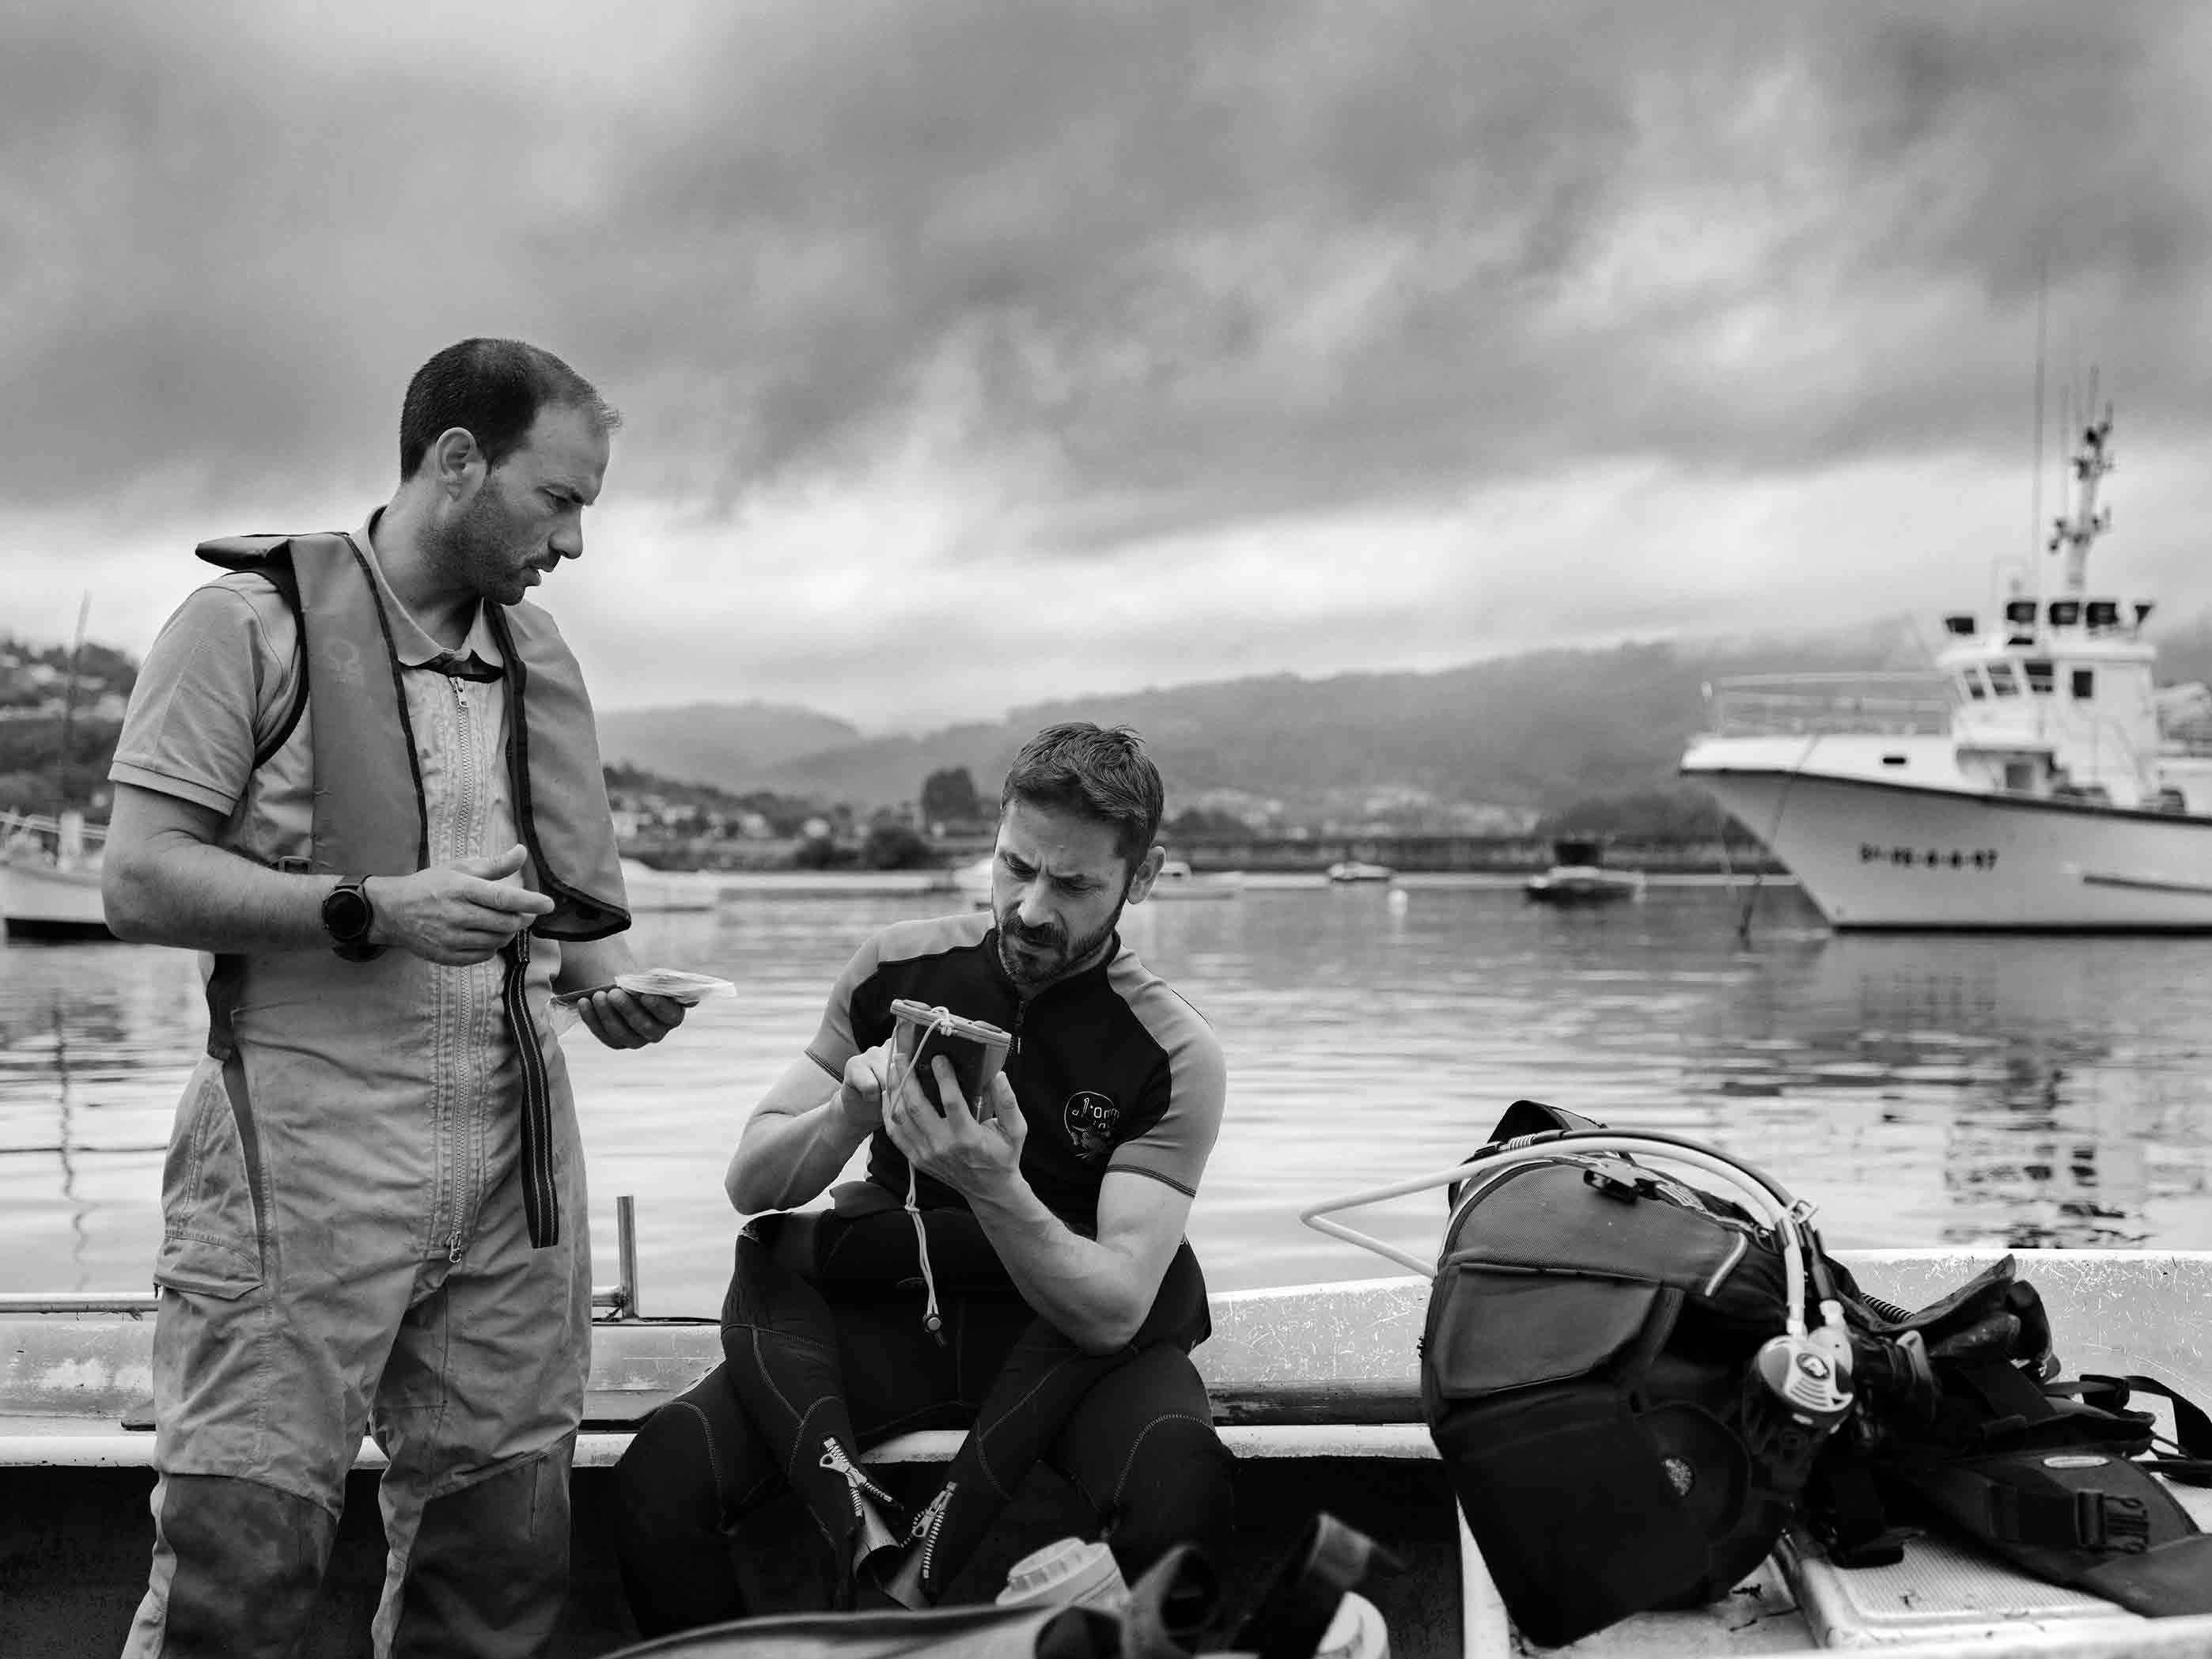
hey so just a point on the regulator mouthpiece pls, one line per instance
(1803, 1373)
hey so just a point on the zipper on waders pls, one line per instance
(466, 749)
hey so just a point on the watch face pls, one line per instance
(346, 914)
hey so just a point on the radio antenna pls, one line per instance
(2035, 442)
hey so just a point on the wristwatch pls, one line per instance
(347, 917)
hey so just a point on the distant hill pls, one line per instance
(1536, 730)
(1540, 730)
(729, 744)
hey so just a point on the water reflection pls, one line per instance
(1921, 1091)
(2064, 1073)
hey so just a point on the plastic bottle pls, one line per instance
(1068, 1572)
(1356, 1633)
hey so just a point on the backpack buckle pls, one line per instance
(1626, 1188)
(2109, 1522)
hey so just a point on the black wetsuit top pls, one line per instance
(1113, 1069)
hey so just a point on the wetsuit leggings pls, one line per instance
(1130, 1430)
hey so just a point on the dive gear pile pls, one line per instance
(1636, 1383)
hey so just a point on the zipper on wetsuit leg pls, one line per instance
(857, 1487)
(453, 1246)
(926, 1526)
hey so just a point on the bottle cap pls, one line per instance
(1067, 1572)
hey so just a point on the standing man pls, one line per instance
(362, 774)
(1054, 1305)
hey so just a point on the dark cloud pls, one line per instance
(1192, 264)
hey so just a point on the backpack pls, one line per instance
(1965, 1423)
(1590, 1375)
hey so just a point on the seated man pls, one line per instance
(1016, 1265)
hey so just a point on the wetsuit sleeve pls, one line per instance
(836, 1040)
(1195, 1080)
(213, 682)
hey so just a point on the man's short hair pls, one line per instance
(1102, 773)
(492, 389)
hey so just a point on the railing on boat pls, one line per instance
(1782, 705)
(619, 1300)
(48, 836)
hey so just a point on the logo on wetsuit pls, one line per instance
(1089, 1118)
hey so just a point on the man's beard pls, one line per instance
(1023, 974)
(476, 546)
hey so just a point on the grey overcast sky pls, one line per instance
(973, 353)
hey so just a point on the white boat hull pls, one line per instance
(1871, 853)
(42, 900)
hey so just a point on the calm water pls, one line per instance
(1921, 1091)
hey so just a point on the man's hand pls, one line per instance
(627, 1019)
(974, 1159)
(859, 1096)
(459, 913)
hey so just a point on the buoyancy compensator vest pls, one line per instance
(1616, 1370)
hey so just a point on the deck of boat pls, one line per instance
(1316, 1390)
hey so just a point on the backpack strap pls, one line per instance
(1844, 1502)
(2192, 1425)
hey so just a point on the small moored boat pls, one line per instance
(50, 877)
(1578, 875)
(663, 890)
(1348, 872)
(1176, 881)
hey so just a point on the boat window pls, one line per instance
(2085, 683)
(2019, 775)
(2038, 678)
(1971, 679)
(2000, 680)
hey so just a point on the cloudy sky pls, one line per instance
(974, 353)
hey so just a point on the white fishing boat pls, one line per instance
(50, 877)
(1317, 1391)
(2038, 778)
(1579, 875)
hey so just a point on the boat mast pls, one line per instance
(2072, 536)
(68, 710)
